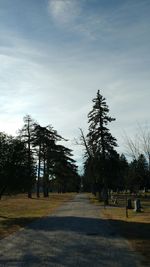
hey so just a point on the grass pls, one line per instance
(135, 228)
(17, 211)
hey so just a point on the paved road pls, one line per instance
(73, 236)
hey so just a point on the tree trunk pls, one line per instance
(39, 169)
(2, 191)
(44, 178)
(29, 159)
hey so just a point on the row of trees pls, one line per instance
(104, 168)
(36, 159)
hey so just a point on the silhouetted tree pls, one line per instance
(14, 166)
(35, 144)
(138, 174)
(100, 141)
(45, 139)
(27, 135)
(123, 172)
(65, 170)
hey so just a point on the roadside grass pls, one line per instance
(18, 211)
(135, 228)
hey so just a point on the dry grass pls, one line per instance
(135, 228)
(18, 211)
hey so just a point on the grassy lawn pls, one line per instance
(17, 211)
(135, 228)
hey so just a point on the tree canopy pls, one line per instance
(35, 160)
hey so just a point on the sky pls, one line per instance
(56, 54)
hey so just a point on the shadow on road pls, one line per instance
(72, 241)
(90, 225)
(68, 241)
(83, 225)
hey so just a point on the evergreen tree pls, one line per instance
(123, 172)
(100, 141)
(18, 157)
(4, 157)
(65, 170)
(14, 166)
(26, 135)
(138, 174)
(112, 163)
(45, 140)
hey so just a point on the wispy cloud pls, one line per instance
(53, 74)
(64, 11)
(101, 23)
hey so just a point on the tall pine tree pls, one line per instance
(26, 135)
(100, 141)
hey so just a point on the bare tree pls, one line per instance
(132, 146)
(84, 143)
(144, 138)
(138, 144)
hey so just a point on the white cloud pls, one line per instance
(10, 124)
(55, 82)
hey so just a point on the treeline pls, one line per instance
(36, 161)
(104, 168)
(121, 175)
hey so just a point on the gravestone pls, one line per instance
(137, 205)
(129, 204)
(105, 196)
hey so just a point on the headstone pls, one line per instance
(129, 204)
(137, 205)
(114, 200)
(105, 196)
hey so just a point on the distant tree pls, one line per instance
(142, 172)
(88, 178)
(138, 174)
(144, 136)
(65, 170)
(112, 174)
(123, 172)
(132, 147)
(140, 144)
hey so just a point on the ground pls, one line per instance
(136, 227)
(73, 235)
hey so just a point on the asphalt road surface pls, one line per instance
(74, 235)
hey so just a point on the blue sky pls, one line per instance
(56, 54)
